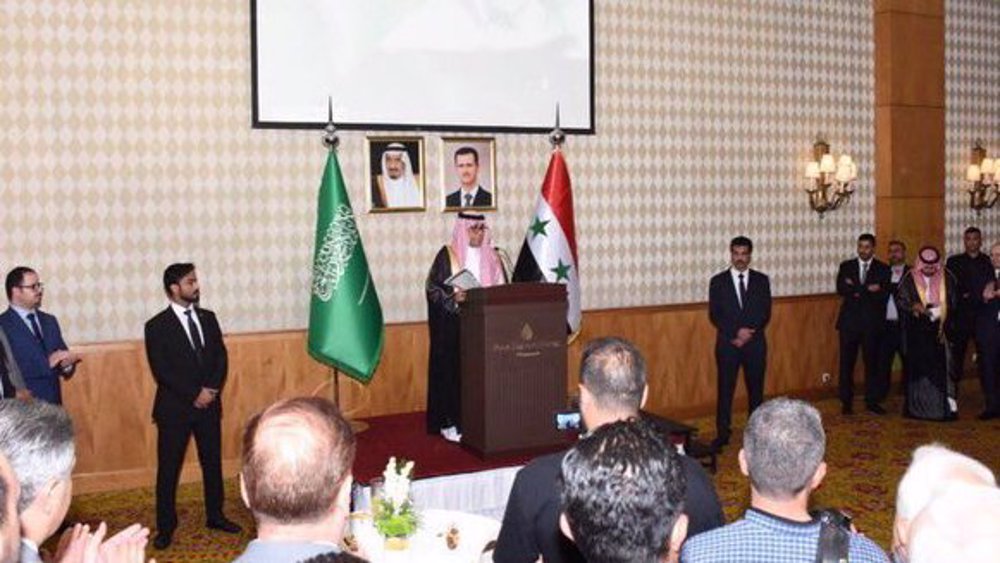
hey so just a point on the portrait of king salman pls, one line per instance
(395, 178)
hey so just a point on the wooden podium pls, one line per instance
(513, 367)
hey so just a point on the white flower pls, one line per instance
(396, 486)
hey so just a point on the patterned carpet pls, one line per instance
(866, 455)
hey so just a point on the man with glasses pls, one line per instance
(35, 338)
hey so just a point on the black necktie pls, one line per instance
(743, 292)
(36, 330)
(468, 200)
(199, 347)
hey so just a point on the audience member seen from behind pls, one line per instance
(296, 479)
(10, 526)
(934, 469)
(783, 448)
(961, 524)
(37, 439)
(612, 388)
(623, 495)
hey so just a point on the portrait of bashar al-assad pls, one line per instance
(395, 179)
(469, 173)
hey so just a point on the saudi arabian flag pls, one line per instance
(549, 250)
(345, 318)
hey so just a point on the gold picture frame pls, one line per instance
(407, 192)
(461, 156)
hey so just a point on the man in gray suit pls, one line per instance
(296, 479)
(37, 438)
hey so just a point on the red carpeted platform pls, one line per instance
(405, 436)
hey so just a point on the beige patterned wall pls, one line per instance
(125, 144)
(972, 108)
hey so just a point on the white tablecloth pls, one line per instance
(429, 543)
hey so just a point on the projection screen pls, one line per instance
(482, 65)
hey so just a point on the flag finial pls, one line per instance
(330, 138)
(557, 137)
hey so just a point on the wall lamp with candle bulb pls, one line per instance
(983, 175)
(830, 180)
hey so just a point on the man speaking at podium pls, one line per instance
(470, 252)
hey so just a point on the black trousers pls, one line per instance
(752, 357)
(171, 445)
(988, 346)
(960, 340)
(889, 346)
(867, 341)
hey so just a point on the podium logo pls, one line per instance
(527, 334)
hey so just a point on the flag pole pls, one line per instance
(331, 141)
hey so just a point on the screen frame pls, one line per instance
(257, 123)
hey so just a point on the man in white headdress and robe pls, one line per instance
(397, 186)
(470, 249)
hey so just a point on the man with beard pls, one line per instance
(396, 186)
(36, 341)
(927, 299)
(739, 306)
(890, 344)
(969, 268)
(188, 359)
(862, 283)
(471, 250)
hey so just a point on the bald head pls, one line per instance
(297, 455)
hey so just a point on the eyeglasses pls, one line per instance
(479, 227)
(37, 286)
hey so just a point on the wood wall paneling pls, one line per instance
(111, 396)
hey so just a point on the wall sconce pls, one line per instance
(830, 181)
(983, 173)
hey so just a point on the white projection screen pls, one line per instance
(473, 65)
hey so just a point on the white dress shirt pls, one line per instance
(736, 282)
(181, 313)
(462, 193)
(864, 268)
(891, 312)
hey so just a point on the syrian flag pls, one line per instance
(549, 250)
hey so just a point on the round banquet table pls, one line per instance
(429, 543)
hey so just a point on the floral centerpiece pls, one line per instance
(394, 515)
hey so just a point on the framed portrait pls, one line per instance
(468, 172)
(395, 174)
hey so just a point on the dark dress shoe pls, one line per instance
(988, 415)
(847, 409)
(163, 540)
(224, 525)
(875, 408)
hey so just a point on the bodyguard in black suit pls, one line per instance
(863, 285)
(188, 359)
(988, 334)
(739, 305)
(970, 269)
(890, 342)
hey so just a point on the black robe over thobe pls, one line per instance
(927, 352)
(443, 391)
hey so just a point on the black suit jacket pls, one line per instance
(483, 198)
(531, 521)
(862, 310)
(892, 289)
(724, 306)
(179, 374)
(986, 311)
